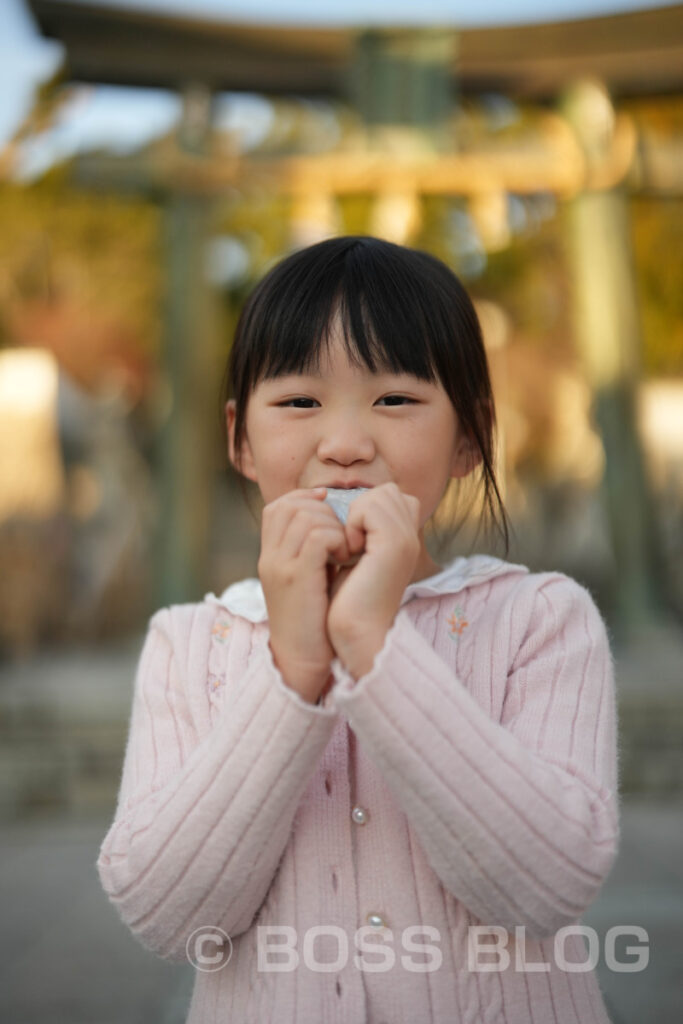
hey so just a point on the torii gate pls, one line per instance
(400, 77)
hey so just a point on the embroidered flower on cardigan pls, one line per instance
(220, 630)
(219, 634)
(457, 622)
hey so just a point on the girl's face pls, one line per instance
(349, 427)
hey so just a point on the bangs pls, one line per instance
(383, 308)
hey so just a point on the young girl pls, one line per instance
(364, 788)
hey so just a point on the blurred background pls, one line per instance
(156, 159)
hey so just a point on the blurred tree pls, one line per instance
(62, 247)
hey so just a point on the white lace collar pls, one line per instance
(246, 599)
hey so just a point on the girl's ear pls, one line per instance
(246, 466)
(468, 454)
(466, 458)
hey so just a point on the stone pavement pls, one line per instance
(645, 888)
(67, 959)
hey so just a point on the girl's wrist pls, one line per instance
(358, 656)
(309, 687)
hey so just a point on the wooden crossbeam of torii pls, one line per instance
(550, 159)
(634, 52)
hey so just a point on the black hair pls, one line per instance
(402, 311)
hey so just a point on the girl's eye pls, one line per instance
(401, 398)
(392, 399)
(290, 400)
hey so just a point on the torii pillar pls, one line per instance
(185, 442)
(607, 326)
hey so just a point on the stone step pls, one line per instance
(73, 770)
(63, 726)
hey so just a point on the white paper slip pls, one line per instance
(340, 498)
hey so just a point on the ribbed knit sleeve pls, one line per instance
(202, 820)
(518, 817)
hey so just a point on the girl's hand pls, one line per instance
(300, 534)
(384, 524)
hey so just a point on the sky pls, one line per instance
(123, 119)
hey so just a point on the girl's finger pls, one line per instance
(302, 525)
(330, 539)
(402, 509)
(277, 515)
(377, 517)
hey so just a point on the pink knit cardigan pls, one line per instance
(468, 780)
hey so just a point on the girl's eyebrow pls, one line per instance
(318, 375)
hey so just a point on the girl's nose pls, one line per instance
(345, 440)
